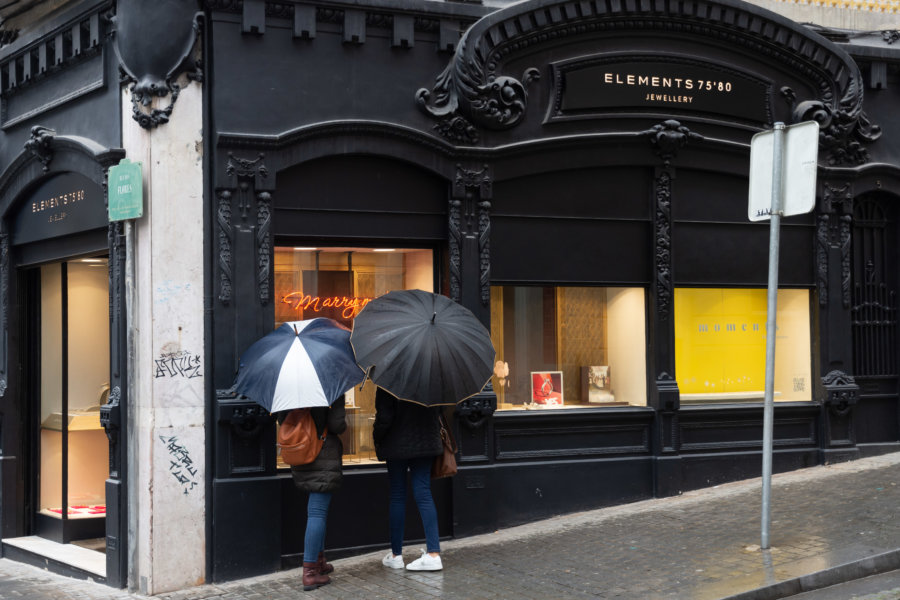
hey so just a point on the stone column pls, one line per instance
(166, 423)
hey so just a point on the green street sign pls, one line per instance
(126, 191)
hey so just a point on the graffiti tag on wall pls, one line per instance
(180, 464)
(178, 364)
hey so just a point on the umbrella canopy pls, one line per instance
(301, 364)
(423, 347)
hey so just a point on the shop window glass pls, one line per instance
(568, 347)
(74, 324)
(337, 283)
(720, 345)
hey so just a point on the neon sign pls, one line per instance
(350, 305)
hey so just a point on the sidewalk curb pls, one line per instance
(864, 567)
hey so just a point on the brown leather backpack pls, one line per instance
(298, 439)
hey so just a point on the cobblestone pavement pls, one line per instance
(829, 524)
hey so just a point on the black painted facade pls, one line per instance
(470, 129)
(474, 145)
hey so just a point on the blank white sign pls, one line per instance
(799, 163)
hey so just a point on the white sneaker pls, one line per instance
(426, 562)
(392, 562)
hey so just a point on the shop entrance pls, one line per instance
(67, 379)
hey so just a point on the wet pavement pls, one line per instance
(830, 524)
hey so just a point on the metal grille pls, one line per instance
(874, 312)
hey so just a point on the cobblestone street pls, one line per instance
(829, 524)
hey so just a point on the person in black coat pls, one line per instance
(408, 437)
(321, 478)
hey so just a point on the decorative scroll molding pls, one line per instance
(473, 91)
(822, 245)
(263, 244)
(469, 212)
(484, 250)
(843, 129)
(668, 138)
(834, 230)
(40, 145)
(4, 309)
(111, 421)
(455, 241)
(246, 176)
(154, 45)
(663, 240)
(115, 235)
(226, 236)
(890, 36)
(844, 244)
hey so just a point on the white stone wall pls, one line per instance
(167, 439)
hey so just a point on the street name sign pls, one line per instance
(126, 191)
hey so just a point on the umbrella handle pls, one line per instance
(366, 378)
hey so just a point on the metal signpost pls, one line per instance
(783, 165)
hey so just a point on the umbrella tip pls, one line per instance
(295, 330)
(433, 315)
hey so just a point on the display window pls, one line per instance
(568, 347)
(337, 283)
(74, 383)
(720, 345)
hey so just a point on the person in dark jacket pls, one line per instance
(321, 478)
(408, 437)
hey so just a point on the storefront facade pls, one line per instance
(577, 175)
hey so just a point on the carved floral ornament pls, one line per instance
(473, 93)
(154, 45)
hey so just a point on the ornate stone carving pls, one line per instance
(668, 138)
(4, 307)
(454, 239)
(822, 246)
(484, 250)
(468, 93)
(834, 230)
(247, 175)
(663, 255)
(154, 45)
(41, 145)
(890, 36)
(842, 129)
(111, 421)
(470, 213)
(475, 88)
(474, 412)
(845, 224)
(841, 392)
(263, 244)
(226, 231)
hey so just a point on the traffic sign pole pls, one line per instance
(769, 407)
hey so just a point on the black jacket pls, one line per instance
(405, 429)
(324, 474)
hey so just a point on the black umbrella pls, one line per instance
(423, 347)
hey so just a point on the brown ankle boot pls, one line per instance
(312, 578)
(324, 567)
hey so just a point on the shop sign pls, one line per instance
(126, 191)
(672, 85)
(62, 205)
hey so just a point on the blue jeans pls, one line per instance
(316, 515)
(420, 475)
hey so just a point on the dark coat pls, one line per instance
(324, 474)
(405, 430)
